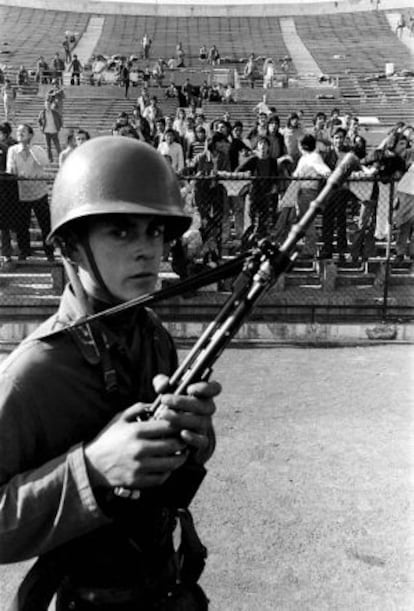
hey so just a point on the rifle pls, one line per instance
(260, 272)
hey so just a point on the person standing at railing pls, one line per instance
(404, 216)
(9, 199)
(27, 160)
(263, 195)
(312, 168)
(334, 215)
(210, 195)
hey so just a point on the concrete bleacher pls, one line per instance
(235, 37)
(359, 43)
(30, 33)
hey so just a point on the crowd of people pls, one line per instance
(265, 157)
(270, 156)
(281, 169)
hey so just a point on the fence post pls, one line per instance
(388, 252)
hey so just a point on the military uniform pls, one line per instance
(57, 392)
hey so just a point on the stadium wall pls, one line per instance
(214, 8)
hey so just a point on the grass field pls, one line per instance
(307, 505)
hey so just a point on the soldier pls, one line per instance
(89, 484)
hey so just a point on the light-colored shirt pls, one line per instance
(311, 165)
(175, 151)
(30, 164)
(50, 126)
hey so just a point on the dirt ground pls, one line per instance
(307, 505)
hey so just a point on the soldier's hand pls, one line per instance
(191, 414)
(134, 454)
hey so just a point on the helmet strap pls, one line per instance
(77, 287)
(95, 271)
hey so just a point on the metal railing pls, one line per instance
(355, 253)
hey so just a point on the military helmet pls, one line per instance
(116, 175)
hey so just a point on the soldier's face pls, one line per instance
(127, 251)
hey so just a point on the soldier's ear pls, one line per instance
(69, 246)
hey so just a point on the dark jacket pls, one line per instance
(56, 117)
(52, 401)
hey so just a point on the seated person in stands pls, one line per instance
(262, 107)
(121, 120)
(214, 56)
(158, 72)
(205, 91)
(171, 91)
(215, 94)
(203, 54)
(188, 91)
(22, 76)
(229, 96)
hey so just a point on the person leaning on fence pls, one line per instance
(9, 199)
(312, 168)
(22, 77)
(209, 194)
(26, 160)
(404, 216)
(89, 484)
(385, 165)
(334, 217)
(263, 194)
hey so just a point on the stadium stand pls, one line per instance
(352, 48)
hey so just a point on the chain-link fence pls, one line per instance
(358, 251)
